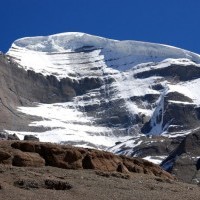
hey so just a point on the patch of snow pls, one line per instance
(155, 159)
(158, 115)
(177, 134)
(126, 147)
(189, 89)
(181, 102)
(59, 135)
(67, 124)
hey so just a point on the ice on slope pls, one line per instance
(68, 124)
(189, 89)
(155, 159)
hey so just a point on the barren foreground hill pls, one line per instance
(29, 183)
(78, 173)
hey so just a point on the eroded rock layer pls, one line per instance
(35, 154)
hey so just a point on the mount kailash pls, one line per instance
(129, 97)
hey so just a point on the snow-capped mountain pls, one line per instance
(107, 91)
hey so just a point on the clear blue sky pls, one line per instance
(173, 22)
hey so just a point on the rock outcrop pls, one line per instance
(184, 161)
(19, 87)
(36, 154)
(31, 137)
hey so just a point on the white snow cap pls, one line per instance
(60, 55)
(73, 40)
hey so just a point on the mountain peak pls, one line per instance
(68, 41)
(99, 91)
(51, 55)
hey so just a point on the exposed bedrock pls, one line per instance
(178, 113)
(181, 73)
(22, 88)
(35, 154)
(184, 160)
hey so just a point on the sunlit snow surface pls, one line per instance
(79, 55)
(68, 124)
(63, 54)
(155, 159)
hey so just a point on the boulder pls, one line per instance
(26, 159)
(4, 156)
(31, 137)
(13, 137)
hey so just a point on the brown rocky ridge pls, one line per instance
(37, 154)
(35, 170)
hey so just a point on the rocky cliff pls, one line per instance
(184, 161)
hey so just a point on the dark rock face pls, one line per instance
(6, 136)
(177, 109)
(13, 137)
(34, 87)
(31, 137)
(35, 154)
(155, 148)
(184, 160)
(21, 88)
(183, 116)
(185, 73)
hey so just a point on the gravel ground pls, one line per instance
(59, 184)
